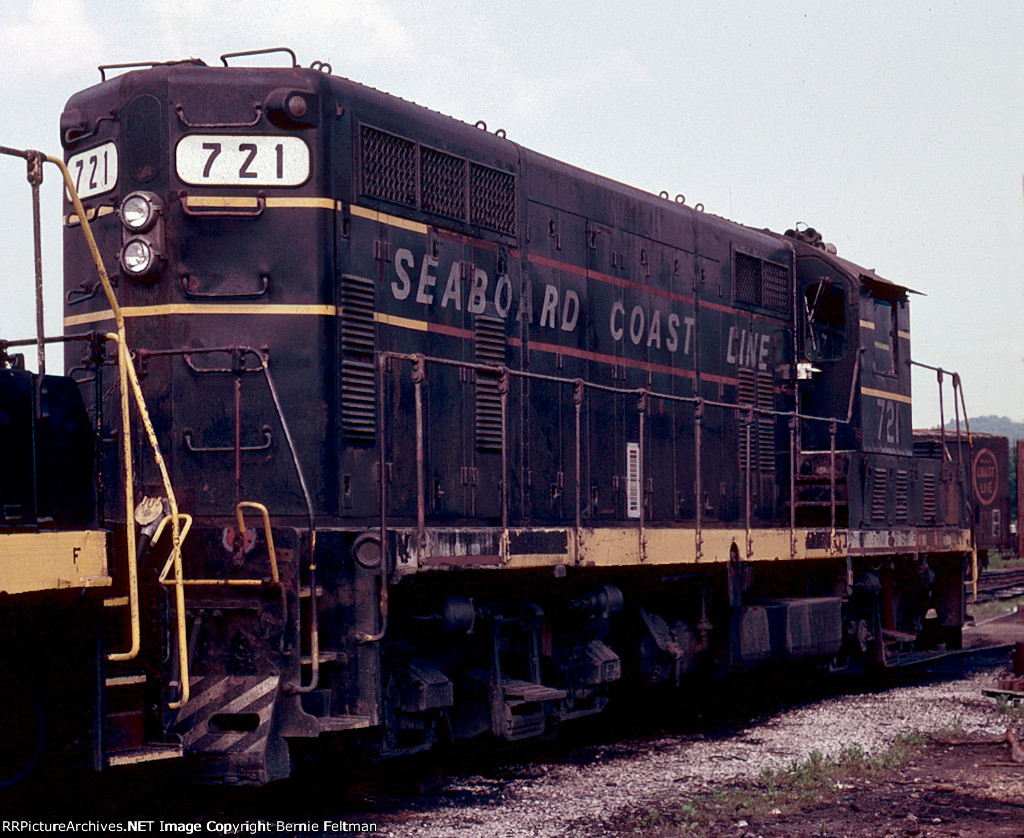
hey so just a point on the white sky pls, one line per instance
(895, 128)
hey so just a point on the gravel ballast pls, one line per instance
(582, 796)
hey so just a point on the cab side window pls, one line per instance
(825, 321)
(886, 337)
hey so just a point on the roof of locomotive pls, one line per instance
(648, 213)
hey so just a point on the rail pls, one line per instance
(966, 486)
(275, 577)
(643, 396)
(747, 413)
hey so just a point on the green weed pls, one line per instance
(774, 791)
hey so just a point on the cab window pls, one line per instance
(886, 342)
(825, 319)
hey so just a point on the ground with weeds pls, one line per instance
(921, 788)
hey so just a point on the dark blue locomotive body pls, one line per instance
(523, 434)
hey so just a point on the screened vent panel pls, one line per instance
(776, 293)
(492, 199)
(490, 350)
(444, 184)
(748, 279)
(761, 283)
(388, 166)
(404, 172)
(358, 373)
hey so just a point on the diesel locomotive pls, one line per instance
(445, 438)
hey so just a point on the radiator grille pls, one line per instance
(400, 171)
(492, 199)
(761, 283)
(388, 167)
(358, 375)
(748, 279)
(776, 293)
(444, 184)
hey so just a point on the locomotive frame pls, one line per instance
(523, 436)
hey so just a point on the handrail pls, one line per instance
(162, 578)
(274, 575)
(259, 507)
(419, 361)
(127, 376)
(128, 371)
(966, 494)
(314, 618)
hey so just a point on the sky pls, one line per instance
(894, 128)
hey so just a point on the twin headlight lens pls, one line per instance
(139, 211)
(140, 254)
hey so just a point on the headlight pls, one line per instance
(139, 211)
(138, 257)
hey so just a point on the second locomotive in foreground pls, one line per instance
(522, 434)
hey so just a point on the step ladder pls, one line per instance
(518, 710)
(123, 735)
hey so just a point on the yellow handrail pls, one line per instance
(259, 507)
(127, 376)
(274, 575)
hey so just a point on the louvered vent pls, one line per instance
(929, 497)
(902, 504)
(489, 350)
(358, 375)
(761, 283)
(766, 422)
(757, 389)
(878, 493)
(388, 166)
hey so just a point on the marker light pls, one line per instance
(139, 211)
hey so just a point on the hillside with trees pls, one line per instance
(998, 425)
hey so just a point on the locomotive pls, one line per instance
(445, 438)
(986, 457)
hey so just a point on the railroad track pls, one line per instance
(1004, 583)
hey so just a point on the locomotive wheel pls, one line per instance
(24, 729)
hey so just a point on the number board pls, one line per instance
(93, 171)
(237, 160)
